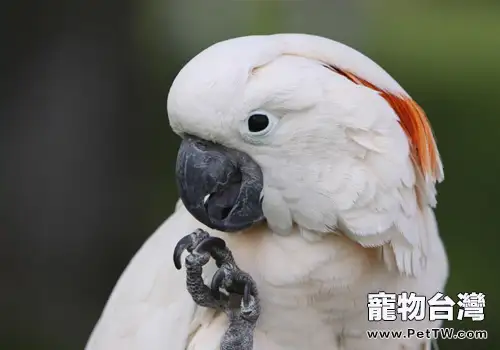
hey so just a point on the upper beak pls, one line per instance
(219, 186)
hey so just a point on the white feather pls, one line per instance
(149, 307)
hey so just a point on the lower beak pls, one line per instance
(219, 186)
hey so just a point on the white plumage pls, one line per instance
(348, 197)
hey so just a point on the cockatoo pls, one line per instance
(307, 181)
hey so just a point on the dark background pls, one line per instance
(87, 155)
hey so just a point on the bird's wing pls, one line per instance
(149, 307)
(393, 208)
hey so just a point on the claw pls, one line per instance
(246, 294)
(182, 245)
(219, 276)
(209, 243)
(186, 242)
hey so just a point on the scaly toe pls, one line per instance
(197, 259)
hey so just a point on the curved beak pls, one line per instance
(219, 186)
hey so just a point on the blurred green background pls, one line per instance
(88, 156)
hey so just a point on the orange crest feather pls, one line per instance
(415, 124)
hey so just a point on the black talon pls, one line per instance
(183, 244)
(246, 294)
(219, 276)
(209, 243)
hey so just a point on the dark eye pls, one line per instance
(258, 122)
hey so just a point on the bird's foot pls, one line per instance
(228, 277)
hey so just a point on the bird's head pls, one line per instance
(297, 129)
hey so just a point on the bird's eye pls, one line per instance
(258, 126)
(258, 122)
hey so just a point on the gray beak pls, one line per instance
(219, 186)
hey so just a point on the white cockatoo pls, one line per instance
(307, 181)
